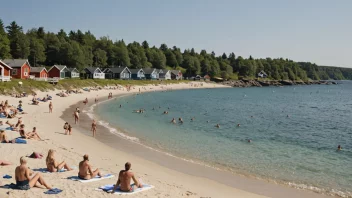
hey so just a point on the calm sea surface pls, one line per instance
(294, 130)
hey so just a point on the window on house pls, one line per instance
(14, 72)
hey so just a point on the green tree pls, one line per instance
(19, 44)
(170, 58)
(4, 43)
(37, 51)
(100, 57)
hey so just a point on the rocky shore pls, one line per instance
(265, 83)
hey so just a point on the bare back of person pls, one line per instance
(20, 173)
(125, 179)
(83, 170)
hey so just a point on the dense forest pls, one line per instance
(78, 49)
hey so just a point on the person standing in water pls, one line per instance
(94, 128)
(76, 115)
(339, 148)
(50, 107)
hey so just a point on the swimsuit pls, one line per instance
(23, 185)
(82, 177)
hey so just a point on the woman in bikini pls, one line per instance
(52, 165)
(69, 129)
(50, 107)
(76, 115)
(94, 128)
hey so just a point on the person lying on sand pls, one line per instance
(5, 163)
(23, 174)
(52, 165)
(85, 170)
(124, 180)
(14, 127)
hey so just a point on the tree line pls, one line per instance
(82, 49)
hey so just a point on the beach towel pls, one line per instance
(45, 170)
(109, 187)
(97, 178)
(2, 115)
(53, 191)
(20, 141)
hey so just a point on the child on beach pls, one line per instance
(66, 127)
(69, 129)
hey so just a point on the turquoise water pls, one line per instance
(294, 130)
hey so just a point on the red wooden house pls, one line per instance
(20, 68)
(58, 71)
(4, 72)
(39, 72)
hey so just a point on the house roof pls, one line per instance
(263, 72)
(135, 71)
(71, 69)
(92, 69)
(175, 72)
(37, 69)
(60, 67)
(15, 62)
(116, 70)
(4, 64)
(149, 70)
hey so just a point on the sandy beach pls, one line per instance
(170, 176)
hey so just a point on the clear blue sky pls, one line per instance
(318, 31)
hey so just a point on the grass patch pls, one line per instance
(30, 86)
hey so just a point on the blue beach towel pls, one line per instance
(2, 115)
(53, 191)
(20, 141)
(7, 176)
(45, 170)
(109, 187)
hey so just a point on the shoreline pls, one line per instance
(184, 165)
(168, 182)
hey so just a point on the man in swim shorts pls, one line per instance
(124, 180)
(85, 170)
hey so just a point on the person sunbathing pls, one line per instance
(5, 163)
(23, 134)
(124, 180)
(85, 170)
(3, 138)
(24, 181)
(34, 134)
(52, 165)
(14, 127)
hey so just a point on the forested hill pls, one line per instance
(81, 49)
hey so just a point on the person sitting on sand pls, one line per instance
(35, 135)
(52, 165)
(3, 138)
(23, 134)
(85, 170)
(23, 174)
(5, 163)
(66, 127)
(94, 128)
(35, 101)
(124, 180)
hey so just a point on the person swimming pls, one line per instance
(173, 121)
(249, 140)
(238, 125)
(339, 148)
(217, 125)
(180, 120)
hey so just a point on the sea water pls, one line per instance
(294, 131)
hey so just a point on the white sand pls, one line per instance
(168, 183)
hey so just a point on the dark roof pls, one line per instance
(116, 70)
(135, 71)
(15, 62)
(148, 70)
(36, 69)
(91, 69)
(263, 72)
